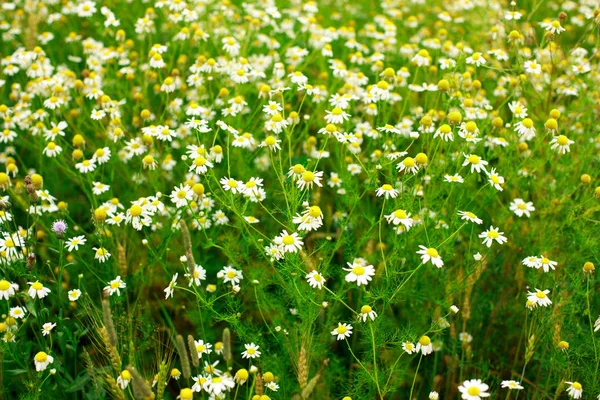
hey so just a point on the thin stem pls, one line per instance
(380, 242)
(415, 377)
(592, 329)
(375, 361)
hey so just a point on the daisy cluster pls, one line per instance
(375, 200)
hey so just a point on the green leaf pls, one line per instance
(16, 371)
(79, 383)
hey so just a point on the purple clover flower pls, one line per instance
(59, 227)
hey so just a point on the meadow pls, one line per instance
(289, 200)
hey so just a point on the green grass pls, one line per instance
(494, 336)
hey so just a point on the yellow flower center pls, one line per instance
(41, 357)
(4, 285)
(298, 169)
(287, 240)
(341, 329)
(400, 214)
(308, 176)
(562, 140)
(135, 211)
(473, 391)
(424, 341)
(408, 162)
(358, 270)
(366, 309)
(200, 161)
(540, 295)
(473, 159)
(37, 286)
(314, 211)
(431, 252)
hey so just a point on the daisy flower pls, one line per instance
(101, 254)
(454, 178)
(512, 385)
(315, 279)
(123, 379)
(197, 276)
(575, 390)
(520, 208)
(430, 254)
(202, 348)
(342, 331)
(561, 144)
(525, 129)
(473, 389)
(200, 165)
(336, 116)
(476, 162)
(386, 190)
(251, 351)
(495, 180)
(47, 328)
(7, 289)
(170, 290)
(182, 195)
(289, 243)
(408, 165)
(86, 166)
(37, 290)
(409, 347)
(216, 385)
(424, 345)
(17, 312)
(74, 243)
(366, 312)
(359, 273)
(547, 264)
(74, 294)
(532, 262)
(400, 217)
(554, 27)
(469, 216)
(311, 219)
(492, 234)
(115, 286)
(231, 275)
(42, 360)
(476, 59)
(308, 178)
(539, 297)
